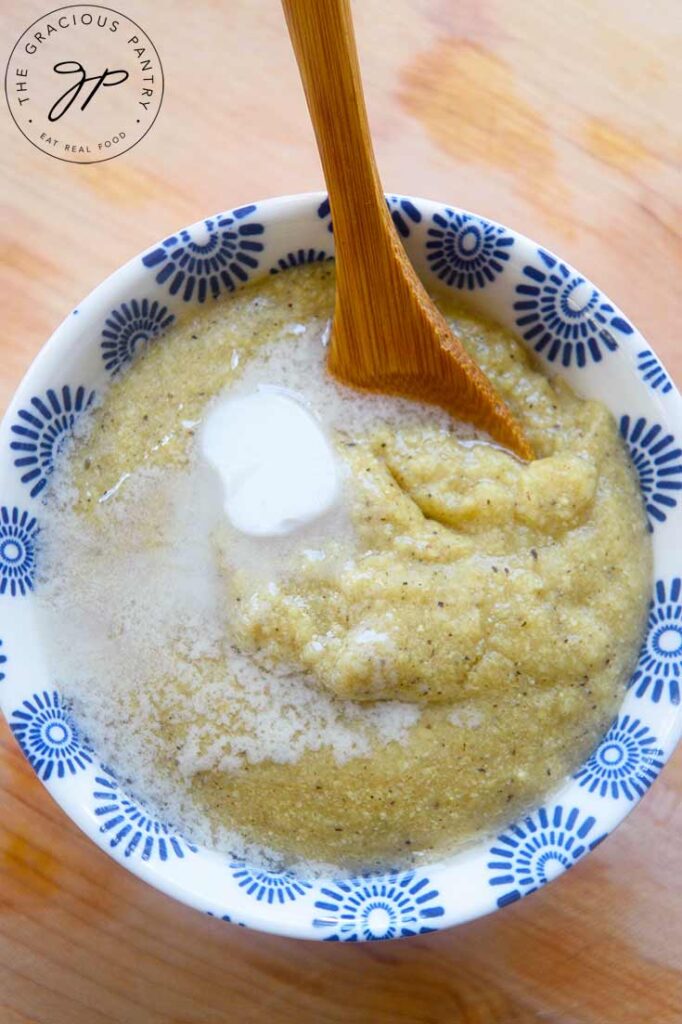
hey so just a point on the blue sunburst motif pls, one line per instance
(466, 251)
(378, 907)
(403, 212)
(18, 532)
(49, 737)
(625, 763)
(3, 661)
(299, 258)
(537, 849)
(41, 430)
(652, 372)
(269, 886)
(324, 212)
(128, 328)
(659, 669)
(128, 824)
(215, 259)
(563, 316)
(658, 460)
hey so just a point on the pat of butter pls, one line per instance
(277, 468)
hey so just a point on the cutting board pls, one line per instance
(559, 119)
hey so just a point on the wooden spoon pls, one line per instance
(387, 334)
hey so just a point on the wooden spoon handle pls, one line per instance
(374, 281)
(387, 335)
(324, 43)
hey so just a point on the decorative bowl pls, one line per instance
(576, 331)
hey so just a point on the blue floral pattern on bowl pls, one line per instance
(404, 214)
(126, 823)
(300, 258)
(378, 907)
(219, 259)
(40, 432)
(652, 372)
(563, 316)
(465, 251)
(49, 737)
(3, 662)
(534, 851)
(129, 328)
(659, 670)
(625, 763)
(657, 457)
(269, 886)
(324, 212)
(18, 532)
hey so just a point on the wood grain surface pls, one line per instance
(558, 117)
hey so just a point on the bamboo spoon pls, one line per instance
(387, 334)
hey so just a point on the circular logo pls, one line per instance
(84, 83)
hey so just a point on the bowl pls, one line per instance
(576, 331)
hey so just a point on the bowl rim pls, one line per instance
(71, 344)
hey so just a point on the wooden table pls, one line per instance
(559, 118)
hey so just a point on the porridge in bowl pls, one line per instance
(315, 626)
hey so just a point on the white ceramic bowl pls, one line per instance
(576, 331)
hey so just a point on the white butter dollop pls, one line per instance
(277, 468)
